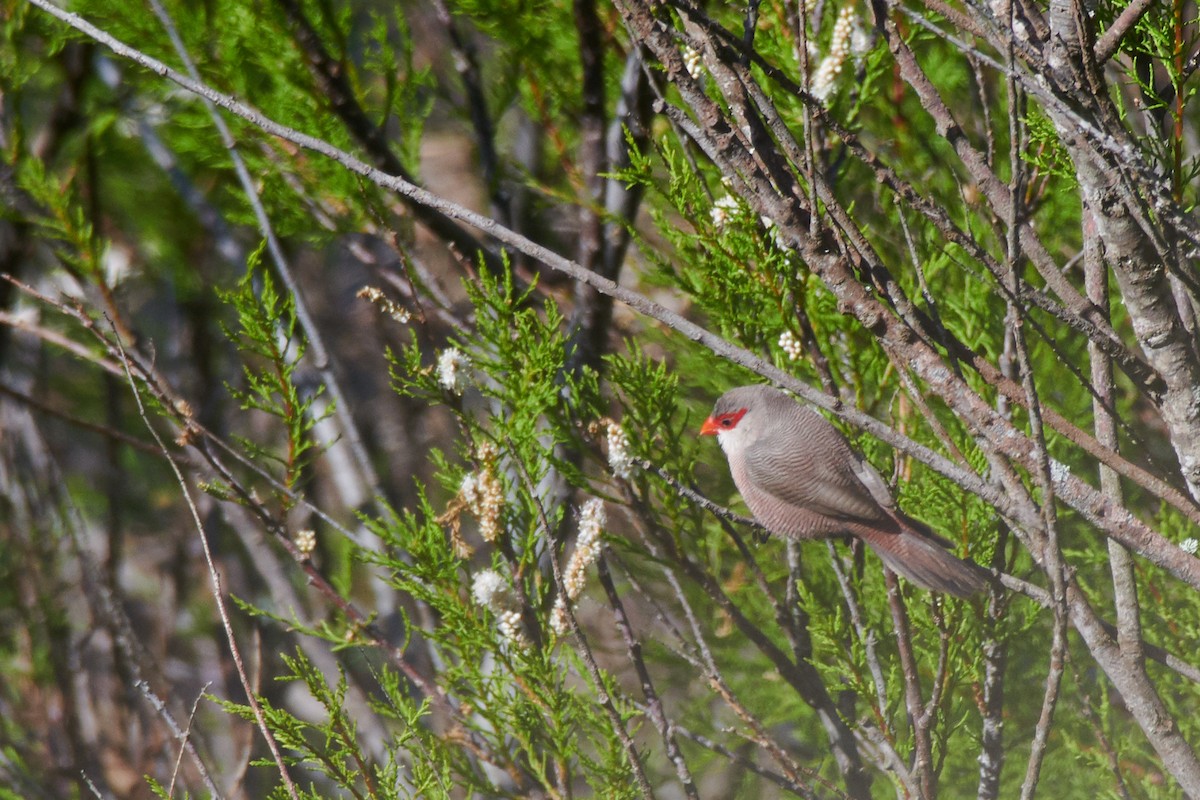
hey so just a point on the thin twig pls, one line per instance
(1052, 560)
(922, 743)
(218, 592)
(865, 634)
(183, 736)
(51, 336)
(716, 509)
(466, 64)
(801, 675)
(654, 705)
(582, 647)
(747, 764)
(321, 361)
(334, 84)
(191, 431)
(1129, 629)
(1110, 752)
(87, 425)
(1106, 46)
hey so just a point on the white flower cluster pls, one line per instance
(381, 301)
(452, 370)
(823, 80)
(491, 591)
(1189, 545)
(724, 209)
(306, 541)
(691, 62)
(484, 494)
(588, 545)
(791, 345)
(620, 460)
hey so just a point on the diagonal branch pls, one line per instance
(1107, 44)
(333, 82)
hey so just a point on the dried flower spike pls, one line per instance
(620, 459)
(822, 84)
(588, 546)
(376, 297)
(484, 494)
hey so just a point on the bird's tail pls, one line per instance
(920, 555)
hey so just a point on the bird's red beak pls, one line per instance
(710, 427)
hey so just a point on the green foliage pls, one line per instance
(1046, 153)
(64, 220)
(455, 675)
(329, 751)
(266, 334)
(406, 90)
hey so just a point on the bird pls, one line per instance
(803, 480)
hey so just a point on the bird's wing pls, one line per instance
(874, 482)
(811, 466)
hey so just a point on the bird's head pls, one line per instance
(733, 419)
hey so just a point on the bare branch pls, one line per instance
(218, 592)
(656, 712)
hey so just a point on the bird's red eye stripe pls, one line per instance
(729, 421)
(722, 422)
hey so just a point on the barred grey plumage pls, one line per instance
(801, 479)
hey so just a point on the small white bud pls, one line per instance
(509, 625)
(791, 345)
(468, 490)
(1188, 545)
(491, 591)
(559, 622)
(306, 541)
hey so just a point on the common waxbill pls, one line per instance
(801, 479)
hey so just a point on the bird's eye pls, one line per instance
(726, 422)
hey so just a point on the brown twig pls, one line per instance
(922, 743)
(801, 675)
(654, 705)
(1106, 46)
(218, 591)
(582, 647)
